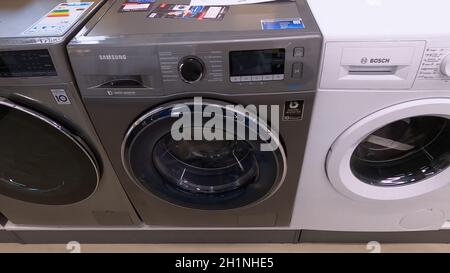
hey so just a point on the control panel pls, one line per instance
(26, 63)
(243, 66)
(435, 64)
(239, 67)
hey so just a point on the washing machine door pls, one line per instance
(397, 153)
(41, 161)
(210, 174)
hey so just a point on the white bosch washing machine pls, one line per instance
(378, 153)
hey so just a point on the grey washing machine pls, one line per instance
(53, 169)
(135, 69)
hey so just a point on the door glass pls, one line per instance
(403, 152)
(201, 174)
(205, 166)
(39, 163)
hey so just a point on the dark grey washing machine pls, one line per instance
(137, 69)
(53, 169)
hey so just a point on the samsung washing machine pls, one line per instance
(53, 169)
(137, 69)
(379, 144)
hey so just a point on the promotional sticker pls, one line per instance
(141, 1)
(136, 5)
(59, 20)
(226, 2)
(288, 23)
(293, 110)
(189, 12)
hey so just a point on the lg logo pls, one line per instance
(60, 96)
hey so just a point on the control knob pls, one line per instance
(445, 66)
(191, 70)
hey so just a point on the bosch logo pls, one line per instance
(366, 60)
(112, 57)
(380, 61)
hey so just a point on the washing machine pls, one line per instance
(139, 72)
(379, 145)
(53, 169)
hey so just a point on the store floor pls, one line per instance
(291, 248)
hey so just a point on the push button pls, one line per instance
(299, 52)
(297, 70)
(246, 78)
(235, 79)
(278, 77)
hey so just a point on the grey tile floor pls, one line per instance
(233, 248)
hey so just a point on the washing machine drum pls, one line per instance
(214, 173)
(404, 152)
(41, 161)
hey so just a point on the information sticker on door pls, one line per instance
(60, 96)
(293, 110)
(279, 24)
(59, 20)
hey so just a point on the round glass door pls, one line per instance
(400, 152)
(404, 152)
(40, 161)
(204, 174)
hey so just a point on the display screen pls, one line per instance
(257, 62)
(26, 63)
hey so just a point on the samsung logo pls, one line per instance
(112, 57)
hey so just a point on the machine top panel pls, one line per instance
(35, 18)
(381, 19)
(237, 19)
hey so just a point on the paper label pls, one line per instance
(286, 23)
(189, 12)
(136, 5)
(293, 110)
(226, 2)
(59, 20)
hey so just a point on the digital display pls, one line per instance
(257, 62)
(26, 63)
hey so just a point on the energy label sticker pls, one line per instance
(280, 24)
(59, 20)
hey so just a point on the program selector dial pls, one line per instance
(445, 66)
(191, 69)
